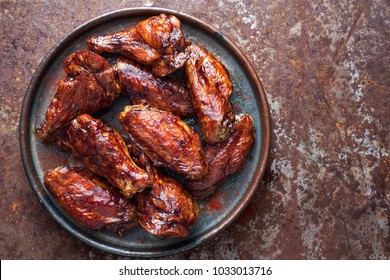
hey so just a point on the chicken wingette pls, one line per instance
(89, 87)
(166, 140)
(210, 88)
(164, 93)
(89, 200)
(225, 158)
(166, 208)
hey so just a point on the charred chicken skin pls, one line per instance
(166, 140)
(210, 88)
(102, 150)
(143, 87)
(226, 158)
(157, 41)
(89, 87)
(89, 200)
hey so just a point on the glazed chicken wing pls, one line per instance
(102, 150)
(210, 88)
(167, 208)
(89, 87)
(157, 41)
(90, 200)
(226, 158)
(143, 87)
(166, 140)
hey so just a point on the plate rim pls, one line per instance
(25, 130)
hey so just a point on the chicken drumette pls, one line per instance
(210, 88)
(143, 87)
(102, 150)
(89, 200)
(157, 41)
(166, 140)
(89, 87)
(226, 158)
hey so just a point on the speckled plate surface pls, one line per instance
(217, 211)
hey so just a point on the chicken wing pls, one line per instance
(167, 208)
(166, 140)
(157, 41)
(226, 158)
(90, 200)
(143, 87)
(89, 87)
(210, 89)
(102, 150)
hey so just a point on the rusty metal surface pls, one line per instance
(325, 68)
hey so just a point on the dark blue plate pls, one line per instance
(217, 211)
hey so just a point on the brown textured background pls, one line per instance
(325, 66)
